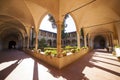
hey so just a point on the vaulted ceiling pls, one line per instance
(30, 13)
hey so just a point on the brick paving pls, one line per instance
(96, 65)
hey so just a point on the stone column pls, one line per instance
(111, 34)
(28, 37)
(36, 40)
(118, 32)
(28, 41)
(88, 40)
(85, 42)
(31, 37)
(92, 41)
(24, 42)
(59, 38)
(110, 39)
(78, 39)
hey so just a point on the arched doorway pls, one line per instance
(11, 39)
(12, 45)
(54, 43)
(49, 42)
(99, 42)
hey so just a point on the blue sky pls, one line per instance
(46, 25)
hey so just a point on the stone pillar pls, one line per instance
(78, 39)
(118, 32)
(28, 38)
(36, 40)
(31, 37)
(85, 42)
(111, 34)
(110, 39)
(88, 40)
(28, 41)
(24, 43)
(92, 41)
(59, 38)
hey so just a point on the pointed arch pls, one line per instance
(45, 24)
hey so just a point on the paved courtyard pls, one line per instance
(96, 65)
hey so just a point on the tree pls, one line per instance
(52, 20)
(42, 43)
(64, 25)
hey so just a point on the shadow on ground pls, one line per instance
(75, 70)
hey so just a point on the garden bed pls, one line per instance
(56, 61)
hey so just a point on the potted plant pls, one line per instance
(77, 49)
(117, 51)
(73, 50)
(64, 52)
(48, 52)
(53, 53)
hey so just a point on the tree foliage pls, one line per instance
(64, 25)
(42, 43)
(52, 20)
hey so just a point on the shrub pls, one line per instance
(84, 47)
(73, 50)
(117, 46)
(70, 47)
(49, 48)
(42, 43)
(47, 52)
(53, 52)
(64, 53)
(77, 49)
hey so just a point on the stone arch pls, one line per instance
(74, 42)
(49, 42)
(43, 16)
(16, 28)
(68, 42)
(54, 43)
(12, 44)
(13, 18)
(11, 35)
(75, 21)
(72, 20)
(3, 27)
(99, 42)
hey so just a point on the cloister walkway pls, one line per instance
(96, 65)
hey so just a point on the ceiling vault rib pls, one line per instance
(80, 7)
(116, 21)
